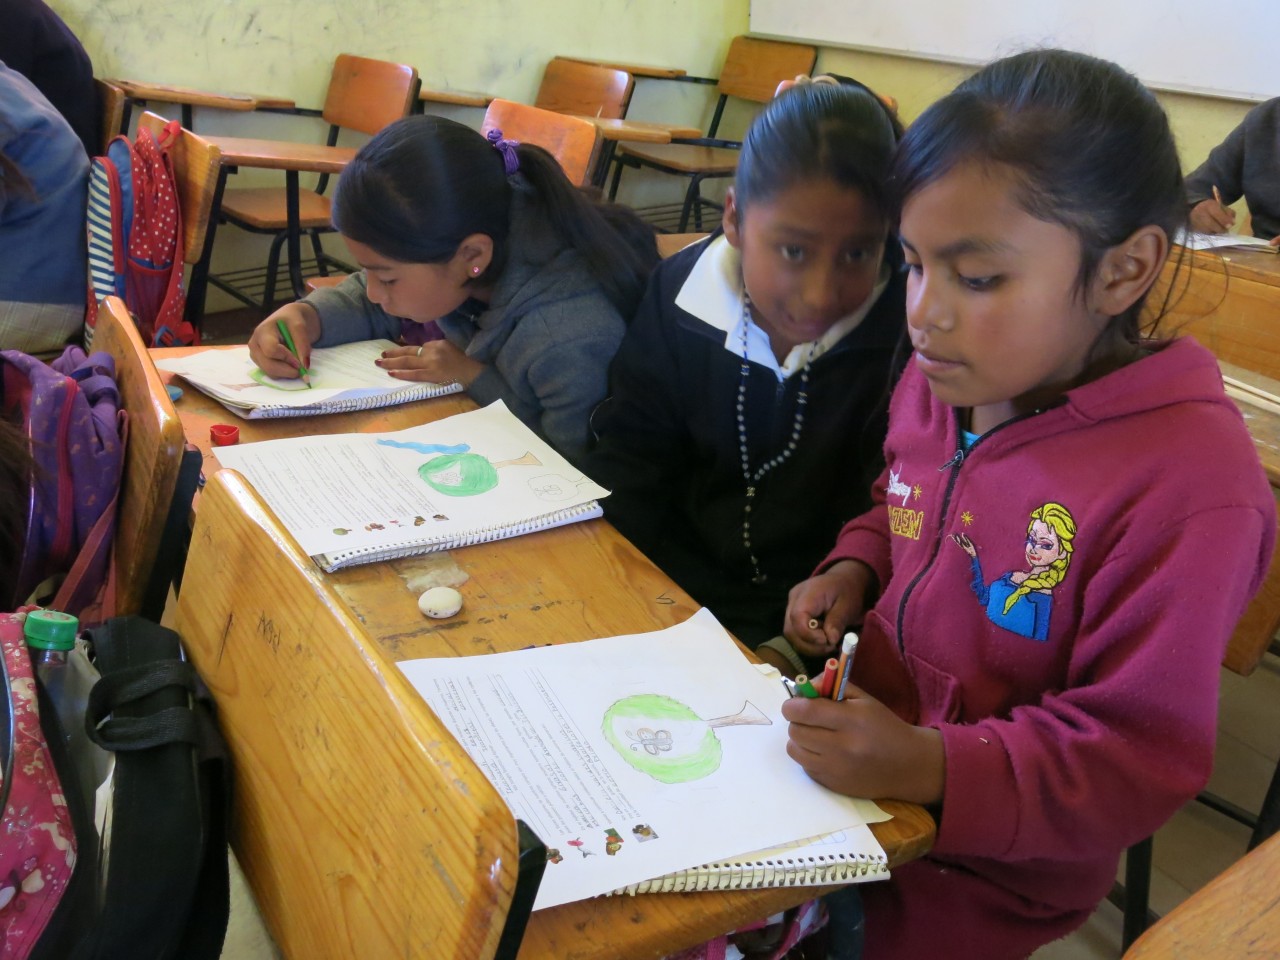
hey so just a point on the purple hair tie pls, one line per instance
(510, 162)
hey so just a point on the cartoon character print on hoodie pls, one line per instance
(1023, 601)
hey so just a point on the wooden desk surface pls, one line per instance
(1251, 392)
(635, 69)
(572, 583)
(1229, 301)
(282, 154)
(639, 131)
(168, 93)
(461, 98)
(1234, 916)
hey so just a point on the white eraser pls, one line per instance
(440, 602)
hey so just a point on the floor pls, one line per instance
(1191, 849)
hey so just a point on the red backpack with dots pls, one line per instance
(135, 237)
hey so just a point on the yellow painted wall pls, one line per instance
(1199, 123)
(287, 47)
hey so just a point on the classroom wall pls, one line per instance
(499, 46)
(1199, 123)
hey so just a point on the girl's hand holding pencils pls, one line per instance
(820, 609)
(861, 748)
(436, 361)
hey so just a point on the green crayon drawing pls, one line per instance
(288, 386)
(467, 474)
(668, 741)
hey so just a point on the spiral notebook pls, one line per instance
(851, 855)
(650, 755)
(362, 497)
(343, 378)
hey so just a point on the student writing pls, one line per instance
(749, 398)
(1071, 521)
(527, 278)
(1246, 164)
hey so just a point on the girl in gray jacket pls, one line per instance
(528, 280)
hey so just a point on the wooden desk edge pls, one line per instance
(635, 69)
(461, 98)
(1233, 915)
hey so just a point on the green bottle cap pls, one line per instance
(50, 630)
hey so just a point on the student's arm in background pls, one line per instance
(642, 452)
(1223, 170)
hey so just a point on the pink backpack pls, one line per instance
(135, 237)
(38, 854)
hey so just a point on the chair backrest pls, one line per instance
(753, 68)
(327, 805)
(588, 89)
(574, 142)
(152, 455)
(366, 94)
(196, 165)
(111, 101)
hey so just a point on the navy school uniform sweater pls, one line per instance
(668, 446)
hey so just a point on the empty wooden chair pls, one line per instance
(585, 89)
(197, 167)
(364, 95)
(111, 101)
(153, 455)
(752, 71)
(574, 142)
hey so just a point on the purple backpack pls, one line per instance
(70, 410)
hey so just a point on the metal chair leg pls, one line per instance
(273, 271)
(692, 204)
(1137, 890)
(1269, 814)
(619, 163)
(322, 258)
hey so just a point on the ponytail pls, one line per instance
(619, 248)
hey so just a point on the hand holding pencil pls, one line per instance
(821, 608)
(1212, 216)
(281, 344)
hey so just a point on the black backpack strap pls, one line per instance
(165, 894)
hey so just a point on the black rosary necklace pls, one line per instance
(754, 478)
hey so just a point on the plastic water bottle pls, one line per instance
(67, 679)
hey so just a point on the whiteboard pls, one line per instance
(1225, 48)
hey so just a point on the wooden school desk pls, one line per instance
(1233, 916)
(572, 583)
(1229, 300)
(1258, 398)
(141, 92)
(291, 157)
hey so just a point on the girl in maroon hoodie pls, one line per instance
(1071, 520)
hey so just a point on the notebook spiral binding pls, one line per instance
(423, 391)
(372, 553)
(756, 875)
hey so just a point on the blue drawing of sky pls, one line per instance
(427, 447)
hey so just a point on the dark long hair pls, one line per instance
(842, 132)
(423, 184)
(1089, 145)
(16, 465)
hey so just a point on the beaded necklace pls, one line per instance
(753, 478)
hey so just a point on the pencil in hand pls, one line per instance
(303, 372)
(845, 664)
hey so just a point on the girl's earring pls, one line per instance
(475, 271)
